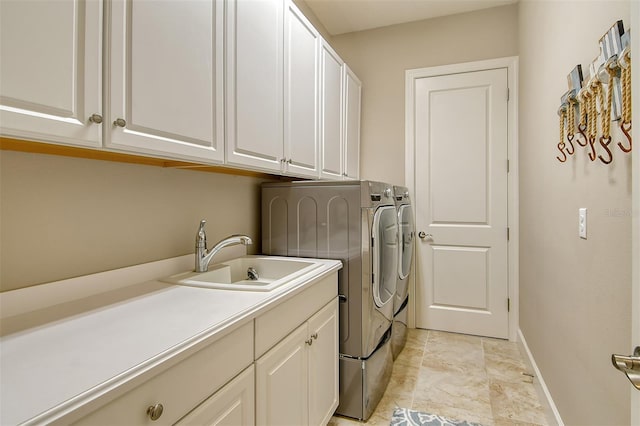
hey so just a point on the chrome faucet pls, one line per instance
(204, 256)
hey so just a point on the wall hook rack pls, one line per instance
(597, 101)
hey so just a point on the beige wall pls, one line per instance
(306, 10)
(574, 294)
(380, 58)
(62, 217)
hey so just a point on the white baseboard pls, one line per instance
(543, 392)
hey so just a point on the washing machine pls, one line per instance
(355, 222)
(406, 233)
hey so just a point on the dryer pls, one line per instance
(356, 222)
(406, 234)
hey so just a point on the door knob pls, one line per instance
(424, 236)
(629, 365)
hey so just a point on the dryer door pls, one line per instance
(384, 254)
(405, 223)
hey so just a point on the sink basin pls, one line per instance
(232, 275)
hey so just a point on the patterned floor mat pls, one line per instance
(407, 417)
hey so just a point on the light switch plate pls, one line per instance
(582, 223)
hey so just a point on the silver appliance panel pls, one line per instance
(334, 220)
(363, 382)
(406, 234)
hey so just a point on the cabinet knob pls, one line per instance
(314, 336)
(155, 411)
(309, 342)
(120, 122)
(95, 118)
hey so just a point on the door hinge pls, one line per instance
(508, 94)
(373, 242)
(508, 233)
(508, 304)
(508, 166)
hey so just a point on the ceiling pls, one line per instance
(345, 16)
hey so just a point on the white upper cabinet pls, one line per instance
(166, 79)
(301, 97)
(50, 71)
(352, 100)
(254, 66)
(248, 83)
(272, 87)
(331, 135)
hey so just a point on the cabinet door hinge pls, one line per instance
(508, 232)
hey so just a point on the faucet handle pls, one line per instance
(201, 236)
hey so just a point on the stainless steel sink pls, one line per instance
(272, 272)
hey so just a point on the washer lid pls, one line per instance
(405, 223)
(384, 253)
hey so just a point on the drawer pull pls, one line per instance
(309, 342)
(314, 336)
(155, 411)
(120, 122)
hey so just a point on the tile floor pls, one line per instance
(462, 377)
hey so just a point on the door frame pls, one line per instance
(635, 207)
(511, 64)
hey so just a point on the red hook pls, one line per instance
(625, 126)
(604, 142)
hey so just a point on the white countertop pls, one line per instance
(55, 365)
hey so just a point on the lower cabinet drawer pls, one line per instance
(182, 387)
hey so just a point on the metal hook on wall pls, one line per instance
(571, 122)
(582, 125)
(590, 97)
(624, 63)
(610, 69)
(562, 112)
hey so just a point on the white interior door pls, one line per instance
(461, 202)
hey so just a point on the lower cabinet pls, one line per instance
(232, 405)
(168, 396)
(297, 380)
(293, 381)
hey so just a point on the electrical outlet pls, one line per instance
(582, 223)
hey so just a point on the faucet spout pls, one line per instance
(204, 256)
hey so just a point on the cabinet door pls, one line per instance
(50, 70)
(330, 113)
(282, 382)
(232, 405)
(352, 99)
(301, 94)
(323, 364)
(166, 79)
(254, 60)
